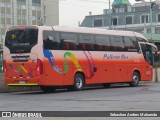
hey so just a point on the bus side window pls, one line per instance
(131, 45)
(69, 41)
(117, 43)
(86, 42)
(50, 40)
(102, 43)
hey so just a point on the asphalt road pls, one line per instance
(145, 97)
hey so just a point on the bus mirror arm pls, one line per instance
(50, 39)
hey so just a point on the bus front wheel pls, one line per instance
(47, 89)
(78, 82)
(135, 79)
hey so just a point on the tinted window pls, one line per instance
(131, 44)
(117, 43)
(102, 42)
(69, 41)
(21, 39)
(86, 42)
(147, 52)
(50, 40)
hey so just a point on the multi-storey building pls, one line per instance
(27, 12)
(143, 17)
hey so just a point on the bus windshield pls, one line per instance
(148, 50)
(20, 38)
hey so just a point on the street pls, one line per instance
(117, 98)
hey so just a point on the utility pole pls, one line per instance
(110, 14)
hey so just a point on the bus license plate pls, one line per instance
(22, 82)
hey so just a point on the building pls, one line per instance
(27, 12)
(143, 17)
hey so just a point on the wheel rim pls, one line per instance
(79, 82)
(135, 79)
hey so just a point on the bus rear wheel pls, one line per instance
(135, 79)
(78, 82)
(47, 89)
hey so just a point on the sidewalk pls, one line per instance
(4, 88)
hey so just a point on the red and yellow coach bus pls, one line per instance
(52, 57)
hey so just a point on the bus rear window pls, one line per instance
(18, 37)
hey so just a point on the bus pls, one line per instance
(71, 57)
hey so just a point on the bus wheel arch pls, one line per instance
(136, 77)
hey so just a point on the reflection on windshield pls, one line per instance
(21, 37)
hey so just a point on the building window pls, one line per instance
(129, 9)
(133, 9)
(24, 17)
(2, 4)
(129, 20)
(21, 1)
(33, 7)
(2, 15)
(33, 17)
(116, 10)
(121, 10)
(2, 25)
(98, 22)
(115, 21)
(36, 1)
(8, 5)
(144, 19)
(8, 15)
(38, 8)
(3, 36)
(23, 7)
(18, 16)
(8, 25)
(18, 6)
(158, 17)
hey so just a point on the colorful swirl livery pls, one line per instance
(48, 54)
(20, 69)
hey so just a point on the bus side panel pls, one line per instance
(51, 76)
(147, 73)
(120, 72)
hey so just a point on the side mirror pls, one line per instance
(156, 53)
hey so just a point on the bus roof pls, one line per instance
(91, 31)
(97, 31)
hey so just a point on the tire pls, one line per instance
(135, 80)
(106, 85)
(47, 89)
(78, 82)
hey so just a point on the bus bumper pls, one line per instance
(23, 81)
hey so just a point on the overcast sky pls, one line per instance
(73, 11)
